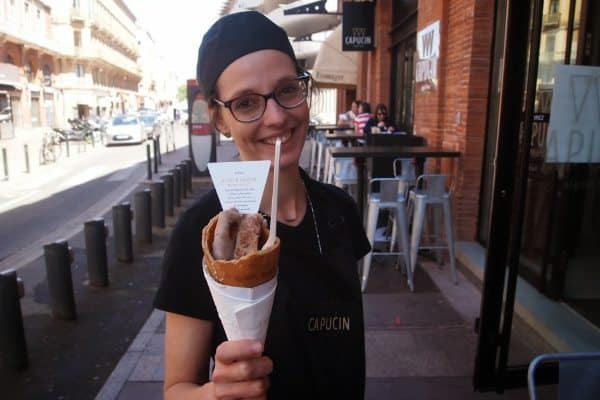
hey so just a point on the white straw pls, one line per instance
(273, 225)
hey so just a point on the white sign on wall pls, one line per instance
(428, 41)
(428, 50)
(574, 129)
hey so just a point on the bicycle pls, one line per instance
(51, 148)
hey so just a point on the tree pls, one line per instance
(182, 93)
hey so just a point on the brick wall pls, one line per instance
(453, 114)
(461, 96)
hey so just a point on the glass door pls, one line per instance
(544, 235)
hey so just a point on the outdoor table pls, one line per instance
(345, 137)
(361, 153)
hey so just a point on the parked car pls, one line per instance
(6, 114)
(152, 124)
(125, 129)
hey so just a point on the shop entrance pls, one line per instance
(544, 225)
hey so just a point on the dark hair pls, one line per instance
(365, 106)
(381, 107)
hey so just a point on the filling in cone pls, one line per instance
(231, 243)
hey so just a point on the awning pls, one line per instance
(307, 50)
(9, 76)
(303, 24)
(334, 67)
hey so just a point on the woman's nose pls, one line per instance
(274, 113)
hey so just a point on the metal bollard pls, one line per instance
(143, 216)
(67, 146)
(122, 216)
(190, 174)
(59, 257)
(158, 148)
(5, 162)
(148, 163)
(168, 181)
(184, 174)
(155, 158)
(13, 346)
(26, 149)
(157, 190)
(176, 187)
(96, 232)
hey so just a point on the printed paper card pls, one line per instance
(240, 184)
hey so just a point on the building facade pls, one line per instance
(481, 77)
(71, 59)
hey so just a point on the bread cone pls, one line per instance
(248, 271)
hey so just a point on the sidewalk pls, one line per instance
(419, 345)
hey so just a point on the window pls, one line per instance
(47, 74)
(79, 70)
(29, 73)
(75, 3)
(26, 7)
(554, 6)
(39, 13)
(77, 38)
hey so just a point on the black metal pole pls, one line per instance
(176, 187)
(143, 216)
(26, 149)
(158, 148)
(157, 190)
(5, 162)
(122, 230)
(169, 198)
(155, 158)
(95, 232)
(184, 174)
(13, 346)
(148, 163)
(58, 257)
(190, 174)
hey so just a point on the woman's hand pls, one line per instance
(241, 371)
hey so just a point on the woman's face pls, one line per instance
(381, 114)
(261, 72)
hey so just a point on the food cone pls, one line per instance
(242, 289)
(248, 271)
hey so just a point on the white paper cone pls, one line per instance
(244, 312)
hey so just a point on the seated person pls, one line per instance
(381, 121)
(347, 118)
(364, 115)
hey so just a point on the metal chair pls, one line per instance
(391, 196)
(431, 191)
(578, 375)
(405, 168)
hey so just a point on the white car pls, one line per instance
(125, 129)
(5, 115)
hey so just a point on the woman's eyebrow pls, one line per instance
(245, 91)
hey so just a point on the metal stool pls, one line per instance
(405, 168)
(430, 191)
(392, 197)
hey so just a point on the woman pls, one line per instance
(363, 117)
(381, 120)
(315, 339)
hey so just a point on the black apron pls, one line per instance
(317, 323)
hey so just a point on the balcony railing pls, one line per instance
(551, 20)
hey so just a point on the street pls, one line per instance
(65, 361)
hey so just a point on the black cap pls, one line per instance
(234, 36)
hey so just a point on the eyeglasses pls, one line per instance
(381, 113)
(251, 107)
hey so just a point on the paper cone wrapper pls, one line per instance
(244, 312)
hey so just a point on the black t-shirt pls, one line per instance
(330, 279)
